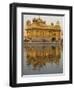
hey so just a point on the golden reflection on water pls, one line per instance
(41, 55)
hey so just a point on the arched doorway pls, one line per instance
(53, 39)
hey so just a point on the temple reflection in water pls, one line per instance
(41, 58)
(38, 56)
(42, 48)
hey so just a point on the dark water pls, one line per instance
(42, 58)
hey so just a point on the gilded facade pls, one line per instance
(39, 30)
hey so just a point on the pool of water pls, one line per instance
(40, 58)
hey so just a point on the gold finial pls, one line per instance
(39, 18)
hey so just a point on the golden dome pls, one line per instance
(28, 22)
(52, 24)
(57, 25)
(34, 20)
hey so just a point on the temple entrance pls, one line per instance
(53, 39)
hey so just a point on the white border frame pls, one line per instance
(48, 77)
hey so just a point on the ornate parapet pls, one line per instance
(38, 23)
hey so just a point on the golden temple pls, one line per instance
(39, 30)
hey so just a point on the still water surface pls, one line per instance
(42, 58)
